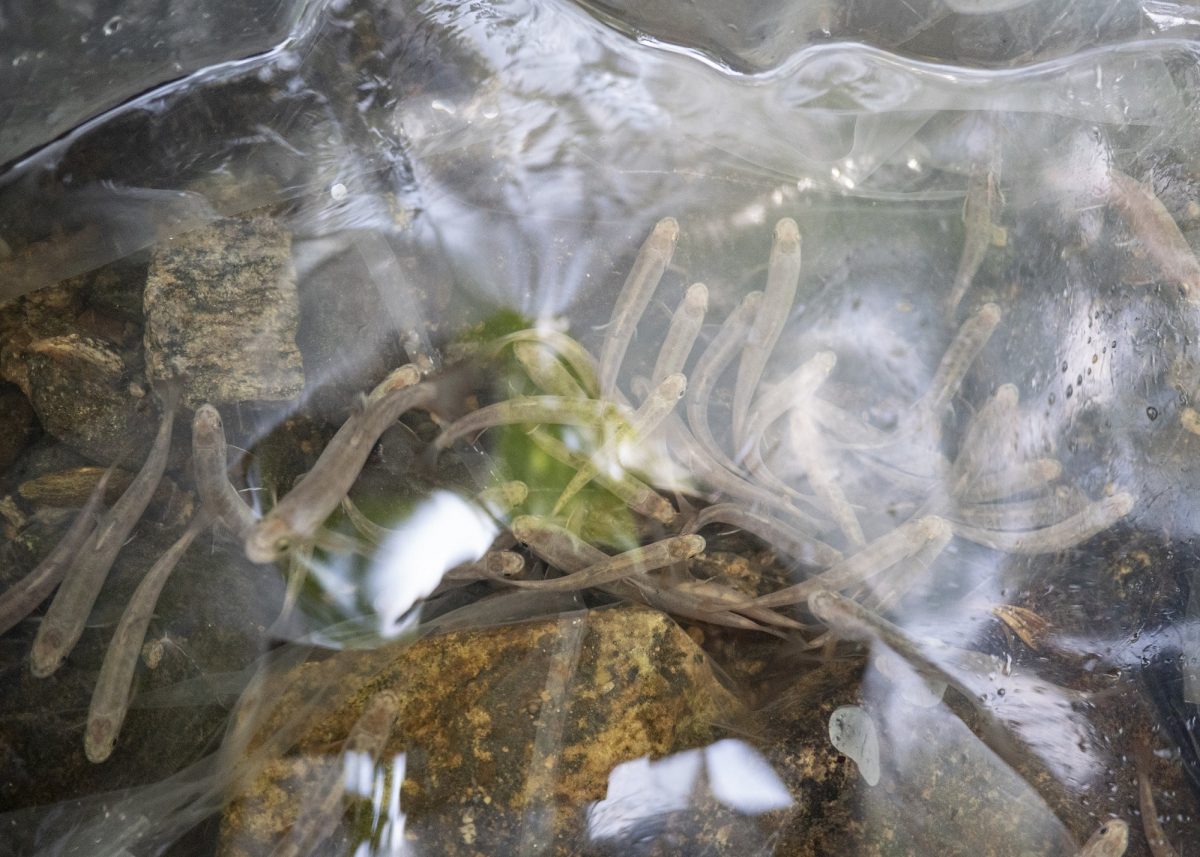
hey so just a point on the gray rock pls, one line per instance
(221, 310)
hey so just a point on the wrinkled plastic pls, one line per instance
(468, 162)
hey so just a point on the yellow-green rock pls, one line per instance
(507, 733)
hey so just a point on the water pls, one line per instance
(446, 174)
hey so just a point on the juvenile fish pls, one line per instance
(1023, 514)
(980, 208)
(648, 268)
(1021, 477)
(781, 536)
(989, 440)
(546, 371)
(644, 421)
(366, 742)
(298, 515)
(795, 393)
(1110, 840)
(528, 410)
(563, 549)
(1076, 529)
(578, 358)
(798, 389)
(110, 698)
(1157, 232)
(713, 362)
(20, 599)
(707, 471)
(492, 565)
(735, 601)
(1156, 837)
(65, 619)
(681, 335)
(964, 348)
(809, 453)
(877, 557)
(211, 467)
(500, 499)
(783, 278)
(637, 561)
(630, 490)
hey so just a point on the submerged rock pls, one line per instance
(17, 423)
(221, 311)
(503, 733)
(71, 488)
(81, 390)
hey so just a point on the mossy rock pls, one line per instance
(501, 728)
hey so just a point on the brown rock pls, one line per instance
(17, 424)
(502, 728)
(71, 488)
(79, 386)
(221, 311)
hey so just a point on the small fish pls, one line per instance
(970, 339)
(1029, 514)
(297, 516)
(781, 536)
(681, 334)
(529, 410)
(637, 561)
(980, 209)
(323, 808)
(644, 421)
(648, 268)
(692, 455)
(493, 565)
(1022, 477)
(798, 389)
(783, 278)
(1156, 231)
(578, 359)
(68, 612)
(1156, 837)
(546, 371)
(875, 558)
(810, 453)
(565, 550)
(20, 599)
(1110, 840)
(1076, 529)
(110, 698)
(713, 362)
(210, 465)
(989, 440)
(630, 490)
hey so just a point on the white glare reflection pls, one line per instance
(740, 778)
(386, 816)
(736, 774)
(444, 531)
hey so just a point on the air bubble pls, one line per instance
(112, 25)
(1152, 413)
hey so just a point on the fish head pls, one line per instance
(270, 540)
(207, 428)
